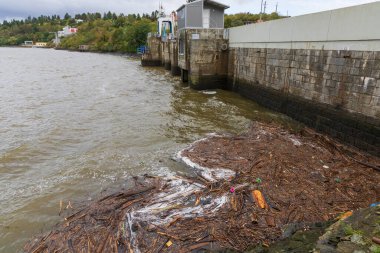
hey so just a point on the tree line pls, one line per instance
(102, 32)
(109, 32)
(239, 19)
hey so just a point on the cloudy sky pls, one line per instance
(23, 8)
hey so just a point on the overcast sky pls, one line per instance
(23, 8)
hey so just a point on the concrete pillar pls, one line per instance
(175, 70)
(162, 54)
(166, 54)
(153, 55)
(207, 59)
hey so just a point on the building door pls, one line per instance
(206, 18)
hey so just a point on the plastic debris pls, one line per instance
(168, 244)
(375, 204)
(258, 180)
(197, 201)
(232, 189)
(345, 215)
(259, 198)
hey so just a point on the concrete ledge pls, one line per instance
(355, 129)
(370, 45)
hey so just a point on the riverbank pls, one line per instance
(246, 190)
(116, 53)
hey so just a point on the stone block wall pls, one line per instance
(205, 58)
(334, 91)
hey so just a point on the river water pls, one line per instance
(76, 124)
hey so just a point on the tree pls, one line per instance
(67, 16)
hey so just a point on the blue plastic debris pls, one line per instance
(375, 204)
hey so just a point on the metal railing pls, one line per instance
(142, 50)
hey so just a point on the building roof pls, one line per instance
(217, 4)
(211, 2)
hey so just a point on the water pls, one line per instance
(75, 124)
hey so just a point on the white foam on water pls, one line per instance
(209, 92)
(178, 197)
(175, 201)
(209, 174)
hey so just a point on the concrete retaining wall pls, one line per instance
(322, 69)
(353, 28)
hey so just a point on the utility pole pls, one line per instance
(261, 10)
(265, 6)
(276, 6)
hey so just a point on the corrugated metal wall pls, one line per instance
(194, 15)
(181, 18)
(216, 16)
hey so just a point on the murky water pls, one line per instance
(75, 124)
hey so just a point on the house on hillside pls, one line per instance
(67, 31)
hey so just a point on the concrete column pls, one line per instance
(167, 53)
(208, 59)
(175, 70)
(153, 55)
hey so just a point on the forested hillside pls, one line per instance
(106, 32)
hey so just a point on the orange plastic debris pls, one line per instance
(197, 201)
(259, 198)
(345, 215)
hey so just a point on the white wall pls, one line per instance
(352, 28)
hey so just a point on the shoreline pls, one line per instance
(131, 55)
(304, 178)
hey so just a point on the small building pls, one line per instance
(201, 14)
(28, 43)
(41, 44)
(166, 26)
(67, 31)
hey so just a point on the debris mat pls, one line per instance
(246, 190)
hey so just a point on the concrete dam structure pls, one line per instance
(321, 69)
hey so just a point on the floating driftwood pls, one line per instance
(245, 191)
